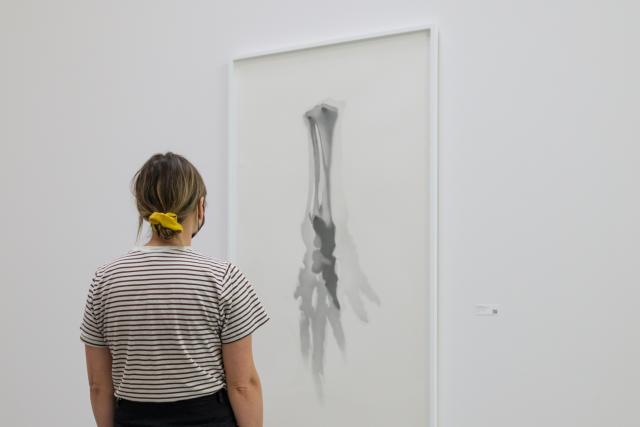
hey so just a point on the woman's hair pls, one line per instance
(167, 183)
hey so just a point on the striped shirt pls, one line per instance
(164, 313)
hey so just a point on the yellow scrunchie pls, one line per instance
(167, 220)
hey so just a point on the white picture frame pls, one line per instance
(431, 186)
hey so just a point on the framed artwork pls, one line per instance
(333, 216)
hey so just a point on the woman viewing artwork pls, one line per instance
(167, 329)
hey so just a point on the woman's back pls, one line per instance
(164, 312)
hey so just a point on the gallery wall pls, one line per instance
(538, 159)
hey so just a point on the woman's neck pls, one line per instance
(157, 241)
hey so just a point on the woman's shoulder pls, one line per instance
(217, 265)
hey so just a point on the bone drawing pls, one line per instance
(322, 119)
(318, 277)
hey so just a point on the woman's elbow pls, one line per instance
(245, 385)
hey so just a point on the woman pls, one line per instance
(167, 329)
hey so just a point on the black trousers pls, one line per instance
(212, 410)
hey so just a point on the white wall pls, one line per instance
(539, 197)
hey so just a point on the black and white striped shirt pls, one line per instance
(164, 312)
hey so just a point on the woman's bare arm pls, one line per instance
(100, 384)
(243, 382)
